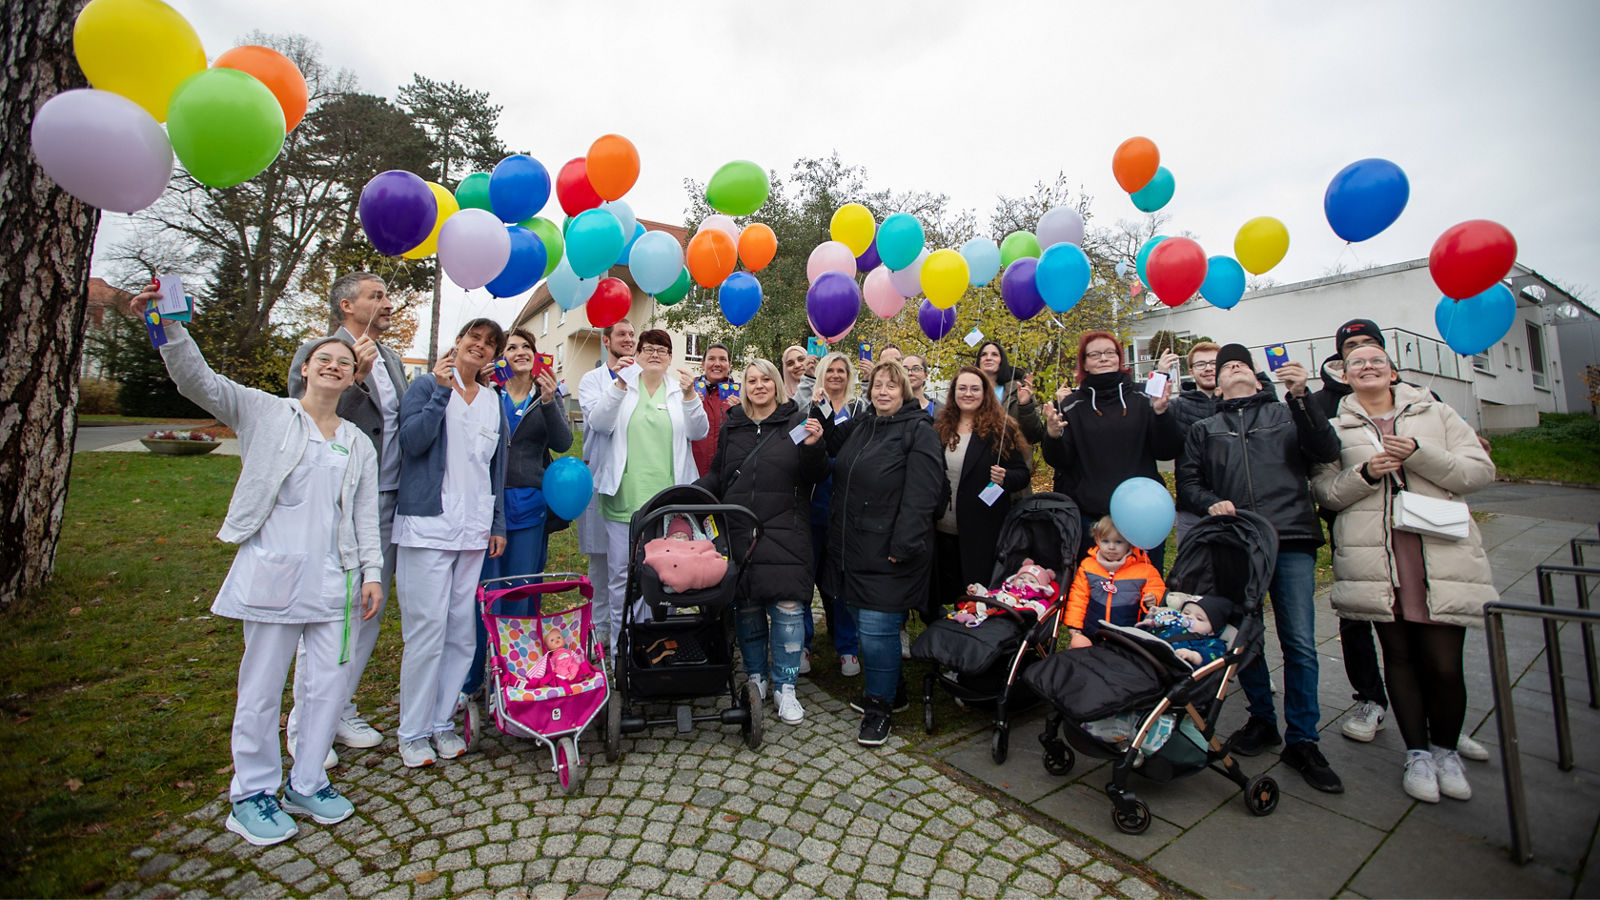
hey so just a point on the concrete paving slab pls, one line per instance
(1087, 809)
(1424, 858)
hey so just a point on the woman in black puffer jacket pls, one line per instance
(888, 480)
(758, 465)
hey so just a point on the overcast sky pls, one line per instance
(1490, 108)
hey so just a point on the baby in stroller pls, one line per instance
(1031, 588)
(685, 558)
(1187, 623)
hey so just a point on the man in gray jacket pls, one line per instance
(359, 302)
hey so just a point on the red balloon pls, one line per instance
(1177, 268)
(609, 303)
(1472, 257)
(573, 188)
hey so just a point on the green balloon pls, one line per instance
(473, 191)
(738, 189)
(1017, 245)
(550, 235)
(678, 291)
(225, 126)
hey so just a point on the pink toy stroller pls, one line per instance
(549, 695)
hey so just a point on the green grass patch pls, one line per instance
(1565, 447)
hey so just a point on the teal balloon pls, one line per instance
(1143, 511)
(1157, 193)
(594, 242)
(1224, 283)
(1477, 323)
(1063, 276)
(983, 260)
(1143, 257)
(900, 241)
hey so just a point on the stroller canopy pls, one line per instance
(1044, 527)
(1228, 555)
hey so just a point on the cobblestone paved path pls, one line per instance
(679, 815)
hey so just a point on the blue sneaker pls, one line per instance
(327, 806)
(261, 821)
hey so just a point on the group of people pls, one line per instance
(886, 504)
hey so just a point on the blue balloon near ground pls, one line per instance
(900, 241)
(1020, 290)
(594, 241)
(627, 249)
(1143, 511)
(1224, 283)
(1366, 197)
(567, 487)
(655, 261)
(1143, 257)
(567, 289)
(524, 267)
(1157, 193)
(740, 298)
(519, 187)
(1063, 276)
(983, 260)
(1475, 324)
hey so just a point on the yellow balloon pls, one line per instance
(853, 226)
(140, 49)
(447, 208)
(1261, 244)
(944, 277)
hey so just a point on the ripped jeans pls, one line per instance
(787, 637)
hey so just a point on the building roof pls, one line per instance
(102, 295)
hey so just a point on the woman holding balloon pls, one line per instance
(1013, 388)
(836, 390)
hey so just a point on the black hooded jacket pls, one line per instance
(1333, 389)
(1110, 433)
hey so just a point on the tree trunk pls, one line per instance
(46, 238)
(433, 321)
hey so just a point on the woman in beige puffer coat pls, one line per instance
(1421, 592)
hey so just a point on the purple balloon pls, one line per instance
(397, 211)
(833, 302)
(1019, 289)
(869, 260)
(935, 322)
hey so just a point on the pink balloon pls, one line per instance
(882, 297)
(908, 281)
(719, 222)
(830, 256)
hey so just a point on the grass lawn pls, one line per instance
(1565, 447)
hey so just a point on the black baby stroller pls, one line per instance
(684, 650)
(979, 665)
(1138, 675)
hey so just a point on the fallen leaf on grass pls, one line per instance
(75, 611)
(183, 785)
(73, 784)
(225, 769)
(161, 540)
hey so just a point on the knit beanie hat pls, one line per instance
(1234, 353)
(1357, 327)
(1218, 608)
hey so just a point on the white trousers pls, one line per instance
(268, 649)
(593, 539)
(436, 590)
(617, 557)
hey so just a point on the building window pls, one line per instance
(1517, 352)
(1505, 353)
(694, 347)
(561, 356)
(544, 323)
(1536, 355)
(562, 319)
(1480, 363)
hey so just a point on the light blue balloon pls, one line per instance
(983, 260)
(1157, 193)
(655, 261)
(627, 251)
(900, 241)
(567, 487)
(1477, 323)
(1063, 275)
(567, 289)
(1224, 283)
(1143, 257)
(1122, 268)
(1143, 511)
(624, 213)
(594, 241)
(740, 298)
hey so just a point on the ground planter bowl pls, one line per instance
(178, 448)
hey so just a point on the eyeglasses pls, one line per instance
(1101, 354)
(323, 359)
(1205, 366)
(654, 350)
(1376, 362)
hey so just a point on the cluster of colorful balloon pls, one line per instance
(738, 188)
(105, 145)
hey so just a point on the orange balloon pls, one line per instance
(613, 166)
(711, 257)
(757, 246)
(277, 72)
(1135, 163)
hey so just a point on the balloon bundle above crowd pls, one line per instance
(227, 123)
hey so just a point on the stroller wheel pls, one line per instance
(752, 723)
(1261, 797)
(1133, 821)
(613, 733)
(472, 723)
(927, 702)
(1058, 756)
(569, 768)
(1000, 746)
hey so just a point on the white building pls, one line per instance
(1537, 367)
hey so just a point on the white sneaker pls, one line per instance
(849, 665)
(1364, 722)
(905, 644)
(416, 754)
(789, 709)
(760, 681)
(328, 762)
(449, 744)
(1452, 781)
(353, 731)
(1471, 749)
(1421, 779)
(805, 662)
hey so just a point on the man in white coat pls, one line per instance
(617, 341)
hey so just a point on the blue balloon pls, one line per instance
(1477, 323)
(1063, 275)
(1366, 197)
(519, 187)
(869, 260)
(1224, 283)
(1143, 257)
(594, 241)
(1157, 193)
(740, 297)
(1143, 511)
(900, 241)
(567, 289)
(524, 267)
(567, 486)
(655, 261)
(983, 260)
(627, 249)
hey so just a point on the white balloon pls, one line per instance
(1060, 225)
(625, 216)
(908, 281)
(721, 223)
(473, 247)
(830, 256)
(103, 149)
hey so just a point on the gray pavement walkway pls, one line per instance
(125, 438)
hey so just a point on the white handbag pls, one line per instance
(1432, 516)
